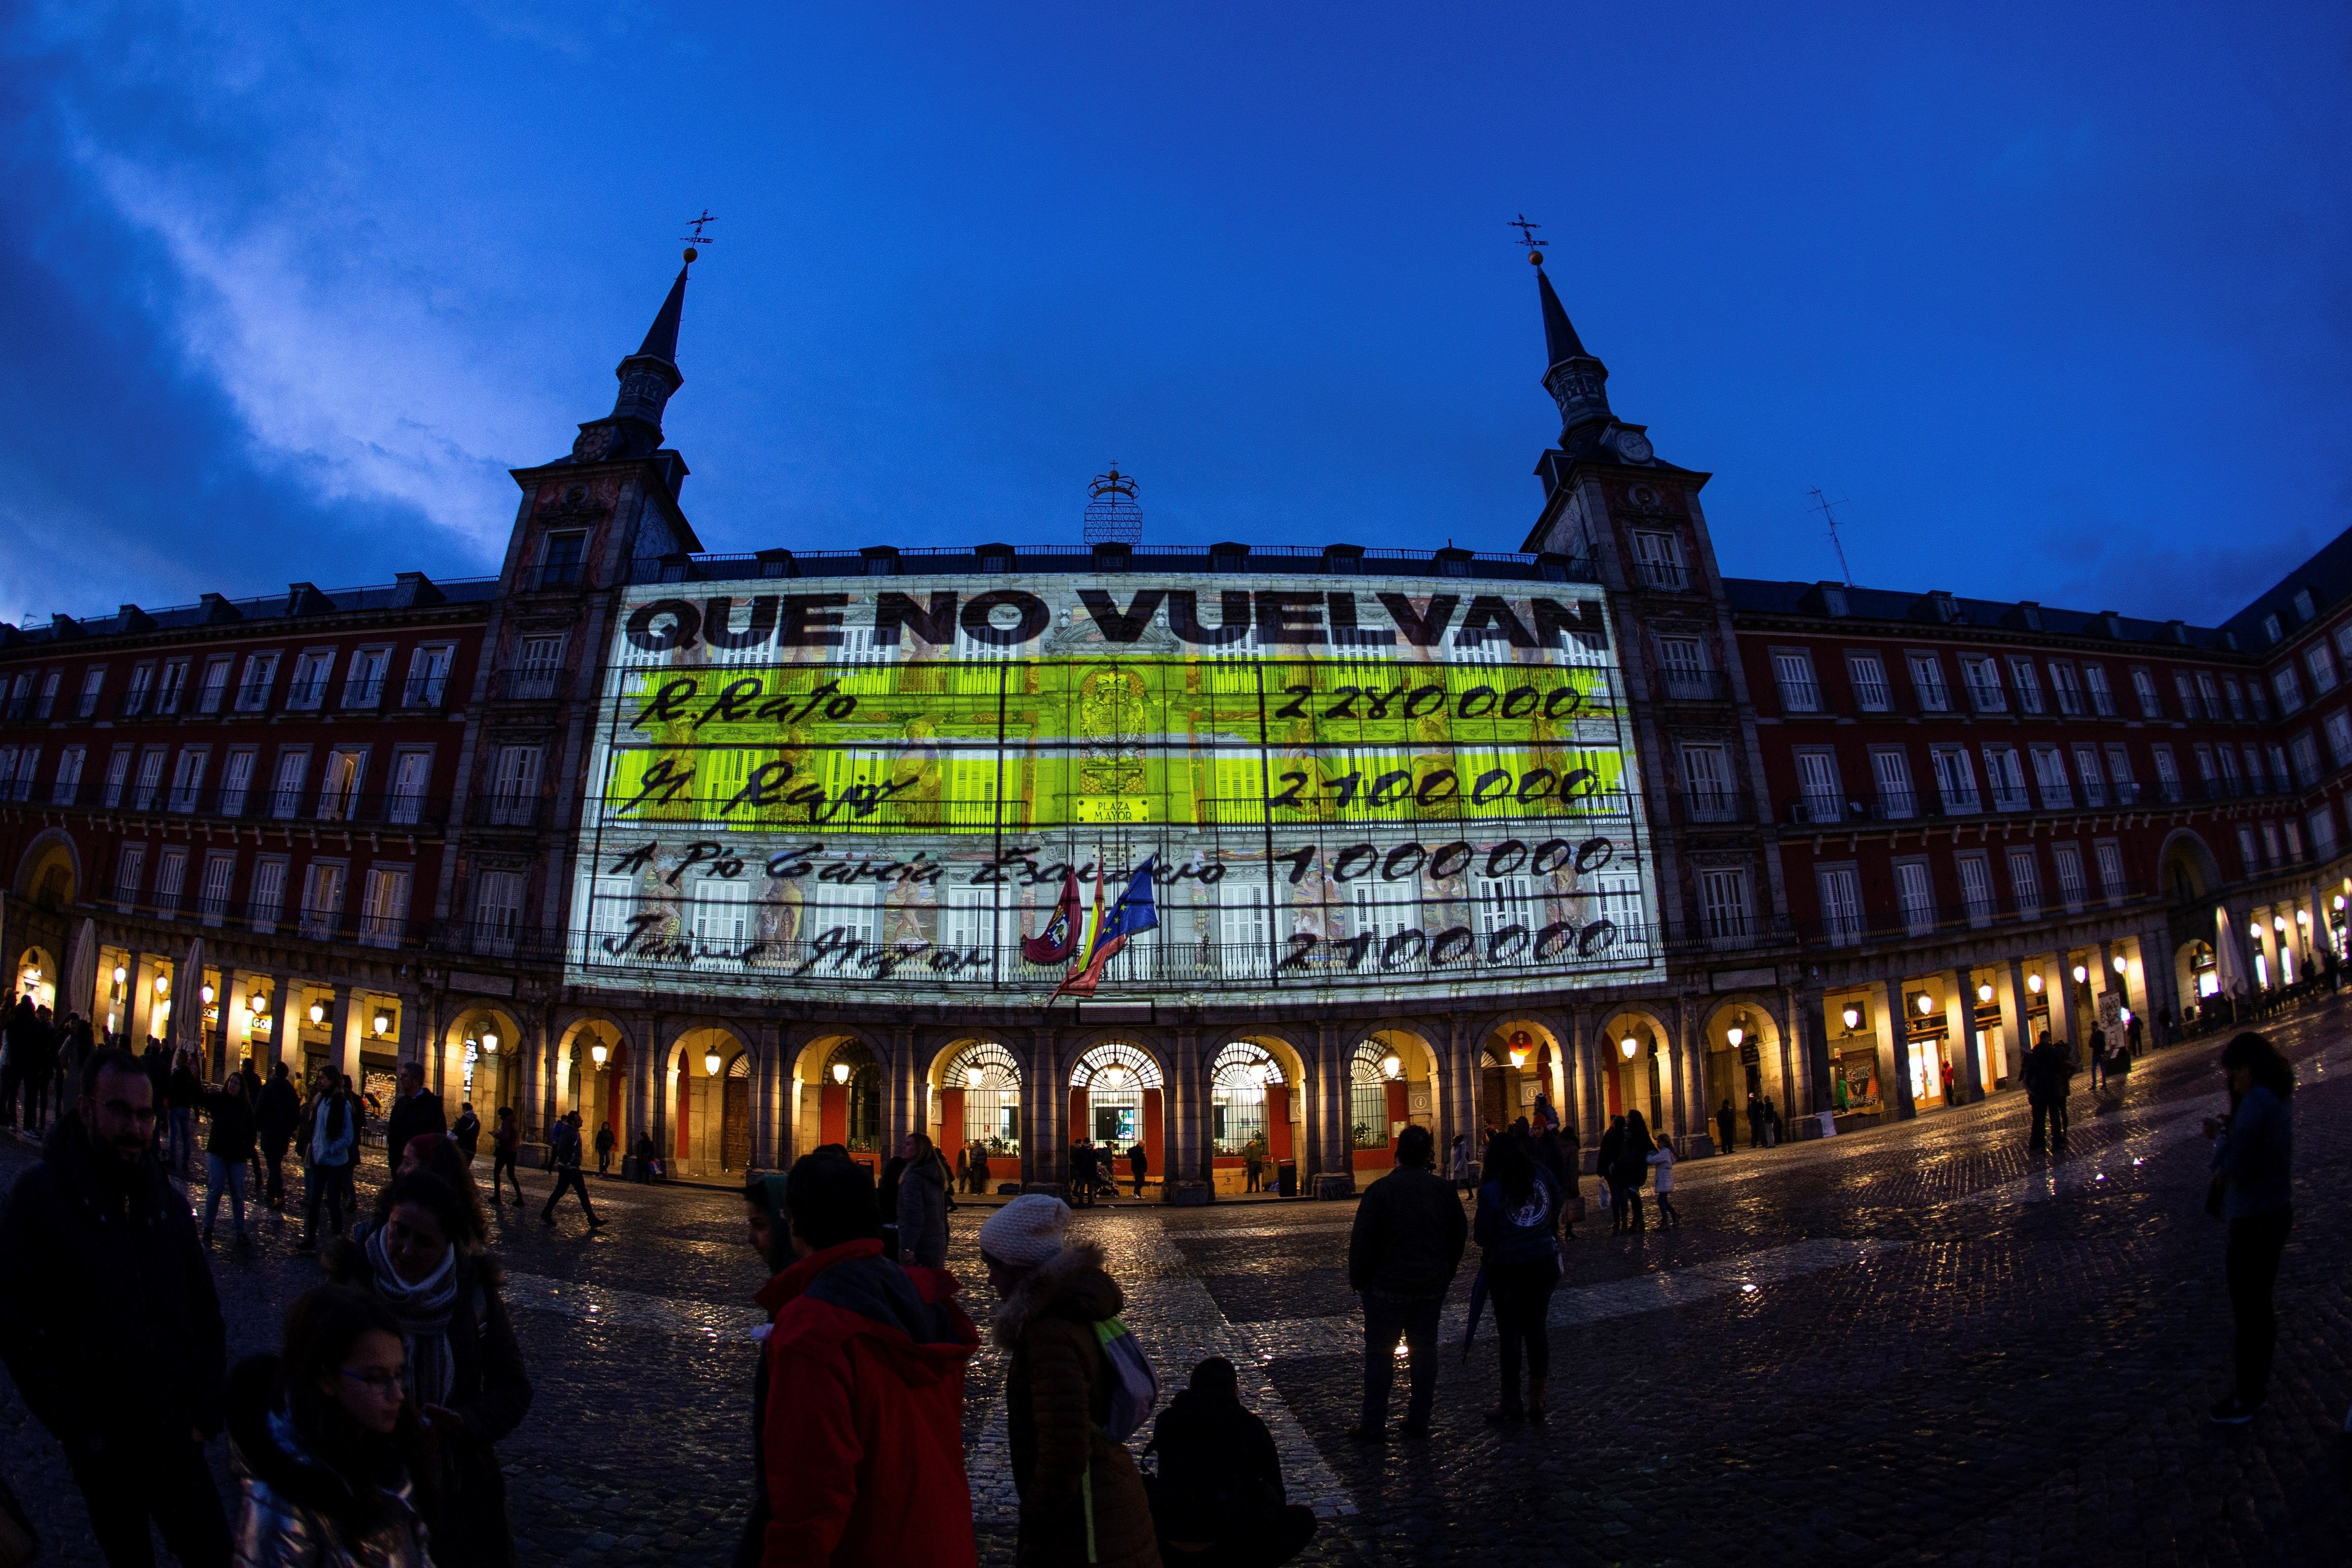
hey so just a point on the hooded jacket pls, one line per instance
(297, 1511)
(922, 1218)
(1069, 1472)
(1219, 1473)
(107, 1307)
(861, 1434)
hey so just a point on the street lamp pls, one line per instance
(2081, 975)
(711, 1064)
(1984, 991)
(318, 1011)
(256, 1003)
(1392, 1066)
(1630, 1045)
(120, 974)
(2123, 964)
(162, 985)
(205, 994)
(1926, 1005)
(597, 1053)
(383, 1024)
(489, 1043)
(1853, 1019)
(841, 1072)
(2033, 982)
(1733, 1035)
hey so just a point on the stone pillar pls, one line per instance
(1184, 1130)
(1675, 1053)
(1960, 1017)
(2159, 980)
(1809, 1021)
(1336, 1168)
(1045, 1104)
(139, 1009)
(2065, 1003)
(1593, 1061)
(1893, 1056)
(770, 1140)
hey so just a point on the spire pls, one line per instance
(1577, 381)
(1560, 335)
(648, 377)
(661, 338)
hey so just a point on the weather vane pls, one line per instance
(1528, 237)
(698, 239)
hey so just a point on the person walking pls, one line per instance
(1082, 1175)
(326, 1441)
(2036, 1073)
(1662, 1182)
(229, 1147)
(2060, 1089)
(857, 1415)
(1402, 1252)
(1462, 1181)
(187, 1092)
(1519, 1232)
(277, 1112)
(505, 1140)
(564, 1147)
(463, 1375)
(1612, 1144)
(1138, 1164)
(437, 1154)
(110, 1325)
(1724, 1122)
(1221, 1497)
(605, 1142)
(980, 1171)
(922, 1213)
(468, 1130)
(1082, 1500)
(1253, 1165)
(1632, 1169)
(2254, 1170)
(333, 1148)
(963, 1168)
(416, 1110)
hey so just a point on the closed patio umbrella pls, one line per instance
(82, 973)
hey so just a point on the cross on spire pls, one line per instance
(1528, 237)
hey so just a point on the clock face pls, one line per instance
(1633, 446)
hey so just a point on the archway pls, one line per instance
(485, 1043)
(1258, 1109)
(37, 976)
(1635, 1064)
(1742, 1041)
(1521, 1058)
(595, 1054)
(711, 1130)
(976, 1104)
(1116, 1102)
(849, 1100)
(2196, 972)
(48, 874)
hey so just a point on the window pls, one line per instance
(2111, 867)
(2339, 739)
(2236, 695)
(2271, 842)
(1367, 1097)
(1890, 768)
(2253, 770)
(118, 773)
(514, 792)
(2069, 694)
(1792, 669)
(129, 875)
(2103, 699)
(384, 907)
(2322, 833)
(2305, 752)
(1723, 906)
(1841, 905)
(1956, 779)
(2322, 665)
(2050, 779)
(2289, 689)
(1244, 941)
(268, 898)
(2026, 883)
(1868, 674)
(2167, 777)
(2119, 773)
(541, 656)
(1928, 683)
(212, 894)
(150, 778)
(1917, 896)
(2068, 859)
(1706, 782)
(2280, 777)
(1976, 888)
(411, 772)
(2258, 704)
(2229, 761)
(1817, 778)
(174, 686)
(188, 776)
(2205, 773)
(1660, 557)
(429, 676)
(2343, 642)
(2209, 696)
(93, 681)
(2151, 705)
(307, 690)
(363, 677)
(721, 920)
(322, 899)
(563, 561)
(69, 762)
(2294, 839)
(237, 777)
(28, 767)
(2005, 777)
(171, 872)
(252, 690)
(143, 685)
(215, 689)
(497, 912)
(1982, 676)
(286, 793)
(2272, 630)
(2027, 684)
(47, 705)
(20, 698)
(2086, 769)
(2304, 608)
(339, 786)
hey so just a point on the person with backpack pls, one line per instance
(1221, 1498)
(1075, 1387)
(1518, 1230)
(331, 1148)
(857, 1417)
(563, 1152)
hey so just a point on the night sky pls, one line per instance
(2055, 298)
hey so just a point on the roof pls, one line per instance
(1840, 602)
(2326, 575)
(413, 591)
(1002, 560)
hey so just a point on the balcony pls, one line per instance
(504, 811)
(1986, 698)
(1821, 811)
(531, 685)
(1709, 807)
(1695, 686)
(1800, 696)
(1964, 917)
(1667, 576)
(253, 697)
(424, 694)
(363, 691)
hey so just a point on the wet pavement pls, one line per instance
(1913, 1345)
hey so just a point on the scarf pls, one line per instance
(422, 1312)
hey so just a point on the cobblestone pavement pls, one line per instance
(1916, 1344)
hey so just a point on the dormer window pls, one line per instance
(881, 560)
(2303, 609)
(2270, 628)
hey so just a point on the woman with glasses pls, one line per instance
(326, 1443)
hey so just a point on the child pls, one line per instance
(1662, 1181)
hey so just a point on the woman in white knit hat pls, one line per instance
(1081, 1498)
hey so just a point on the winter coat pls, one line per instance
(297, 1511)
(1220, 1474)
(1662, 1168)
(1632, 1167)
(2255, 1155)
(334, 1130)
(231, 1136)
(1057, 1393)
(860, 1440)
(413, 1116)
(109, 1321)
(186, 1090)
(1528, 1232)
(564, 1146)
(1408, 1235)
(1604, 1165)
(922, 1217)
(275, 1113)
(468, 1130)
(489, 1391)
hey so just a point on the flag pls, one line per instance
(1134, 913)
(1059, 939)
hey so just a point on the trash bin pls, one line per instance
(1286, 1178)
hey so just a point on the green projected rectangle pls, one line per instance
(823, 799)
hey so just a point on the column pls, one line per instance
(1677, 1051)
(643, 1066)
(1594, 1061)
(1893, 1054)
(902, 1106)
(1463, 1062)
(350, 1023)
(1184, 1121)
(1338, 1152)
(2014, 1034)
(1045, 1101)
(138, 1000)
(2158, 979)
(1808, 1022)
(768, 1151)
(1961, 1016)
(2065, 1001)
(408, 1045)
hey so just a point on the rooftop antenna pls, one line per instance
(1822, 504)
(1528, 237)
(1112, 516)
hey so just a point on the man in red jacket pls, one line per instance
(859, 1420)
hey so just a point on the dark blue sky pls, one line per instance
(2056, 297)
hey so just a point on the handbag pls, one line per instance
(19, 1543)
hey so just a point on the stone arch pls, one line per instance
(976, 1090)
(48, 873)
(601, 1091)
(37, 975)
(489, 1078)
(1519, 1055)
(709, 1128)
(2196, 970)
(2187, 872)
(1118, 1087)
(1756, 1063)
(1633, 1080)
(1256, 1088)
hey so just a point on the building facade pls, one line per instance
(750, 853)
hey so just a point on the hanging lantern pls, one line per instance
(120, 974)
(382, 1024)
(162, 985)
(2033, 982)
(318, 1011)
(841, 1072)
(206, 993)
(1984, 991)
(489, 1043)
(711, 1064)
(1926, 1005)
(597, 1053)
(1853, 1019)
(1630, 1045)
(2081, 975)
(1735, 1034)
(1392, 1066)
